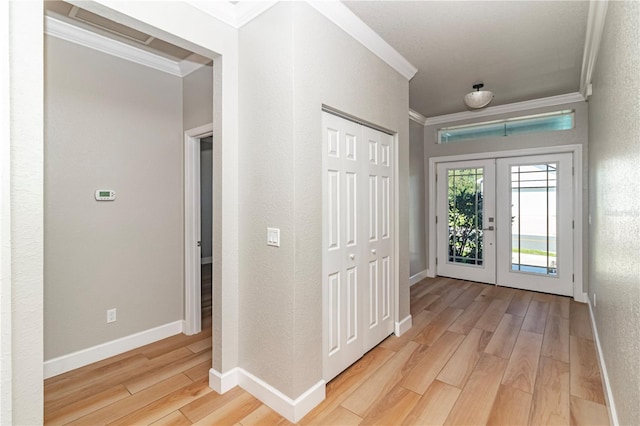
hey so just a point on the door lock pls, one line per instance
(199, 243)
(352, 256)
(373, 251)
(490, 228)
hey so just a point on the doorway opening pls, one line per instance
(206, 230)
(199, 250)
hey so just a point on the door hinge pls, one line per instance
(573, 171)
(573, 224)
(573, 278)
(436, 219)
(436, 177)
(436, 260)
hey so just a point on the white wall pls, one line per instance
(197, 110)
(110, 124)
(22, 220)
(292, 61)
(417, 202)
(614, 131)
(197, 92)
(175, 22)
(188, 27)
(579, 135)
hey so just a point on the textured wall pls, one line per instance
(333, 69)
(22, 398)
(576, 136)
(197, 110)
(110, 124)
(267, 288)
(614, 131)
(293, 60)
(197, 93)
(417, 203)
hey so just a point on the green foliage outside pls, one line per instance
(465, 215)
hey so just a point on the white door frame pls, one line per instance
(192, 221)
(575, 149)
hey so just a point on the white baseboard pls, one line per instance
(222, 382)
(83, 357)
(430, 273)
(403, 326)
(611, 406)
(581, 297)
(206, 260)
(418, 277)
(292, 410)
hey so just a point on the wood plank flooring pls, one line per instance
(477, 354)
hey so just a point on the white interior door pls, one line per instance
(466, 220)
(507, 221)
(378, 247)
(357, 241)
(535, 236)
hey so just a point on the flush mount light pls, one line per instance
(479, 98)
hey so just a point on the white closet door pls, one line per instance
(357, 241)
(379, 215)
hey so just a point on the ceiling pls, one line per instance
(113, 30)
(520, 50)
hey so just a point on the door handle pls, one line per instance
(352, 256)
(373, 251)
(490, 228)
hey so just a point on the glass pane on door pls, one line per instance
(534, 219)
(465, 196)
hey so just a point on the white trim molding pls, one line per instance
(403, 326)
(75, 34)
(222, 382)
(345, 19)
(291, 409)
(417, 117)
(415, 279)
(235, 15)
(83, 357)
(611, 405)
(595, 27)
(569, 98)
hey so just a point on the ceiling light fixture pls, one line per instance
(479, 98)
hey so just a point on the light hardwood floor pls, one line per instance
(476, 354)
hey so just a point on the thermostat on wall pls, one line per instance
(105, 195)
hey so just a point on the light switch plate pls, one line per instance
(273, 237)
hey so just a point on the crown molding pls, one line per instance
(235, 15)
(345, 19)
(192, 63)
(569, 98)
(247, 10)
(74, 34)
(244, 11)
(595, 27)
(417, 117)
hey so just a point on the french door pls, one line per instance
(358, 267)
(507, 221)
